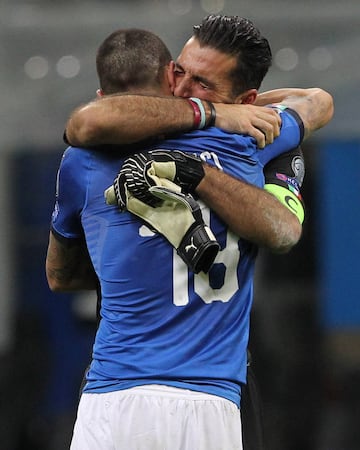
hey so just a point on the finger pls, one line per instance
(270, 127)
(259, 136)
(269, 131)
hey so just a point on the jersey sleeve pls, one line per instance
(291, 135)
(70, 196)
(283, 178)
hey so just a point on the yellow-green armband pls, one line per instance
(288, 199)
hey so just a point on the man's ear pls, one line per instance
(247, 97)
(99, 93)
(171, 76)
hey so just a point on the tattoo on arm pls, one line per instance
(69, 267)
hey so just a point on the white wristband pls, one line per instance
(202, 123)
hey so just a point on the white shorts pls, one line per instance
(156, 417)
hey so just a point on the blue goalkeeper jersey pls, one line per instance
(161, 323)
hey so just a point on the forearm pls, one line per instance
(250, 212)
(316, 109)
(69, 268)
(278, 95)
(125, 119)
(314, 105)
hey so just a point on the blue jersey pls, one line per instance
(161, 323)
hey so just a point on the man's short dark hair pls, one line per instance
(131, 59)
(237, 37)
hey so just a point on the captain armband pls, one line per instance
(288, 199)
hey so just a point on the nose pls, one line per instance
(183, 88)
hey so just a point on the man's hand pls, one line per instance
(164, 204)
(260, 122)
(177, 217)
(180, 221)
(143, 170)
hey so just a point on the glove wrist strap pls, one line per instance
(198, 248)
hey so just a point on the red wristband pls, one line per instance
(197, 113)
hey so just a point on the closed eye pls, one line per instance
(178, 70)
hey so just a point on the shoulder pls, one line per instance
(75, 154)
(76, 160)
(290, 119)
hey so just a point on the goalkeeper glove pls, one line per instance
(143, 170)
(178, 218)
(183, 169)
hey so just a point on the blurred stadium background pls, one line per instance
(306, 319)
